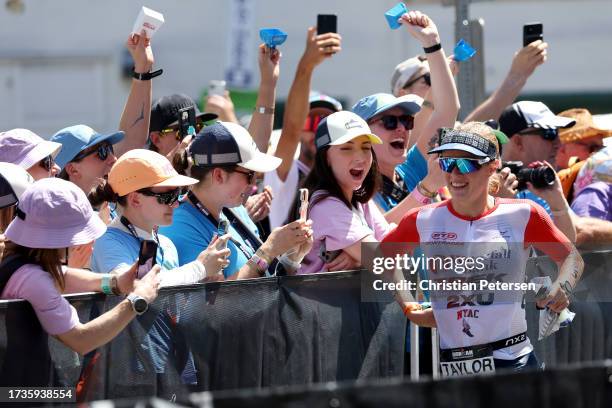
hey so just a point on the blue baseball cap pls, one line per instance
(75, 139)
(372, 105)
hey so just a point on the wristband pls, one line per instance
(433, 48)
(146, 76)
(425, 191)
(260, 264)
(264, 110)
(114, 284)
(106, 284)
(418, 196)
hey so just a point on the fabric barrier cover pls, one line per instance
(272, 332)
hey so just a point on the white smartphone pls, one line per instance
(216, 87)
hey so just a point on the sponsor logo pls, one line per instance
(467, 328)
(516, 339)
(443, 236)
(462, 354)
(352, 124)
(467, 314)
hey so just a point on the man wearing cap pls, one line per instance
(534, 136)
(392, 119)
(164, 132)
(581, 140)
(303, 112)
(411, 77)
(86, 155)
(30, 151)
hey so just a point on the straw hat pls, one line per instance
(583, 129)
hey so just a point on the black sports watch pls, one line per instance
(139, 304)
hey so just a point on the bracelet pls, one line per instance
(423, 190)
(433, 48)
(418, 196)
(285, 261)
(106, 284)
(263, 255)
(264, 110)
(260, 264)
(114, 283)
(146, 76)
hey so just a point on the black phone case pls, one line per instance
(532, 32)
(327, 23)
(148, 249)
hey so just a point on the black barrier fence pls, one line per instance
(272, 332)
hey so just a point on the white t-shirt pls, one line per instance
(284, 192)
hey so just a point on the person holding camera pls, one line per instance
(533, 133)
(475, 223)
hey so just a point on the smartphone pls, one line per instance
(327, 23)
(146, 257)
(186, 120)
(216, 88)
(532, 32)
(222, 230)
(303, 204)
(327, 256)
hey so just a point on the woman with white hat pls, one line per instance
(52, 216)
(30, 151)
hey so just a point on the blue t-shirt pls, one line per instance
(191, 232)
(412, 170)
(117, 248)
(528, 195)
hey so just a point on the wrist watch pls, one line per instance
(139, 304)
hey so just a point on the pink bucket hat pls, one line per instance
(54, 213)
(25, 148)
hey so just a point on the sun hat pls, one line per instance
(14, 180)
(583, 129)
(140, 168)
(75, 139)
(341, 127)
(54, 213)
(227, 144)
(25, 148)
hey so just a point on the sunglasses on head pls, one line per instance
(250, 175)
(546, 134)
(167, 198)
(426, 77)
(47, 163)
(198, 126)
(391, 122)
(464, 165)
(102, 150)
(312, 123)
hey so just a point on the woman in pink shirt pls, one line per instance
(54, 215)
(341, 185)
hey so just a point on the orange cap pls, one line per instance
(140, 168)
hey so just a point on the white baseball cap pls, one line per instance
(14, 180)
(341, 127)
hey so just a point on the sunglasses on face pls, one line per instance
(167, 198)
(102, 151)
(177, 134)
(426, 78)
(250, 175)
(391, 122)
(464, 165)
(546, 134)
(311, 124)
(47, 163)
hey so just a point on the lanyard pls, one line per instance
(250, 250)
(127, 224)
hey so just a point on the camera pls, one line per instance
(540, 177)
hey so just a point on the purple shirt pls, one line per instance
(341, 227)
(32, 283)
(595, 201)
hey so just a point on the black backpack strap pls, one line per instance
(8, 266)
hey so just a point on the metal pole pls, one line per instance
(435, 353)
(414, 352)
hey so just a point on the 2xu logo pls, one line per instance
(443, 236)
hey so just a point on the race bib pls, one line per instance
(467, 361)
